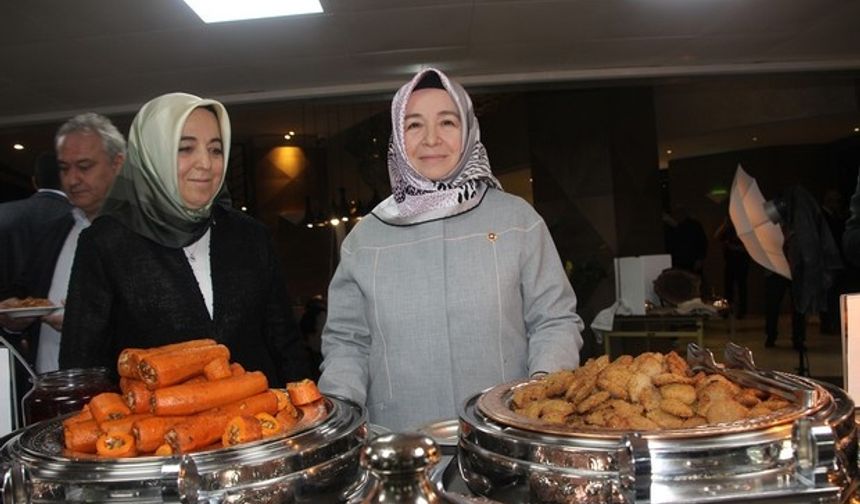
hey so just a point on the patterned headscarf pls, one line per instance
(145, 196)
(415, 198)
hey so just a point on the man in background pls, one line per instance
(90, 154)
(23, 222)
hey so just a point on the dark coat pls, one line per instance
(810, 249)
(23, 224)
(128, 291)
(36, 279)
(851, 236)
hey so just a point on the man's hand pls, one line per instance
(55, 320)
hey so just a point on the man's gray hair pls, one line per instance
(90, 122)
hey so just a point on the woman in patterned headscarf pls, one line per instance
(451, 285)
(169, 259)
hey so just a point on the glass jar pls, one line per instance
(65, 391)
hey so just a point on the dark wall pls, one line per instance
(594, 162)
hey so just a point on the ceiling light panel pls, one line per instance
(220, 11)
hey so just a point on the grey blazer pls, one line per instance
(421, 317)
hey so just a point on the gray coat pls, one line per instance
(421, 317)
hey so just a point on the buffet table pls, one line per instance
(649, 327)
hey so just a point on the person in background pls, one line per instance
(851, 235)
(23, 222)
(170, 260)
(450, 285)
(686, 241)
(736, 268)
(90, 153)
(833, 211)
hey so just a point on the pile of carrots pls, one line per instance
(187, 397)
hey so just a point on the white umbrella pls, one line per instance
(762, 238)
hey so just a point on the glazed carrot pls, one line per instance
(126, 364)
(287, 420)
(206, 428)
(129, 359)
(188, 399)
(163, 451)
(217, 369)
(283, 400)
(149, 432)
(82, 436)
(312, 412)
(169, 368)
(241, 429)
(83, 416)
(269, 425)
(236, 369)
(303, 392)
(122, 425)
(116, 445)
(137, 396)
(108, 406)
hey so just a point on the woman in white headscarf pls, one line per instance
(451, 285)
(170, 260)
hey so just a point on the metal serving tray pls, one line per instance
(311, 466)
(808, 454)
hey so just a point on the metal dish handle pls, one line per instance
(16, 484)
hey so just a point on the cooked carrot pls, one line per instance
(126, 364)
(163, 451)
(241, 429)
(82, 436)
(137, 396)
(108, 406)
(313, 412)
(303, 392)
(83, 416)
(129, 359)
(188, 399)
(122, 425)
(116, 445)
(269, 424)
(236, 369)
(149, 432)
(206, 428)
(283, 400)
(169, 368)
(217, 369)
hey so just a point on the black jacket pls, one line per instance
(851, 236)
(128, 291)
(23, 224)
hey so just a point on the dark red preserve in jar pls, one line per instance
(65, 391)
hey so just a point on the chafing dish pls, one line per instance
(313, 466)
(807, 454)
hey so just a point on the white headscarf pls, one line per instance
(415, 198)
(145, 196)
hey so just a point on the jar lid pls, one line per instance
(72, 377)
(400, 453)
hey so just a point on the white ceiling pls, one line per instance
(62, 57)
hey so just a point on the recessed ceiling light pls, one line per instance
(291, 133)
(18, 147)
(668, 151)
(856, 130)
(755, 139)
(287, 137)
(219, 11)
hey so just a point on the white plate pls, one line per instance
(29, 311)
